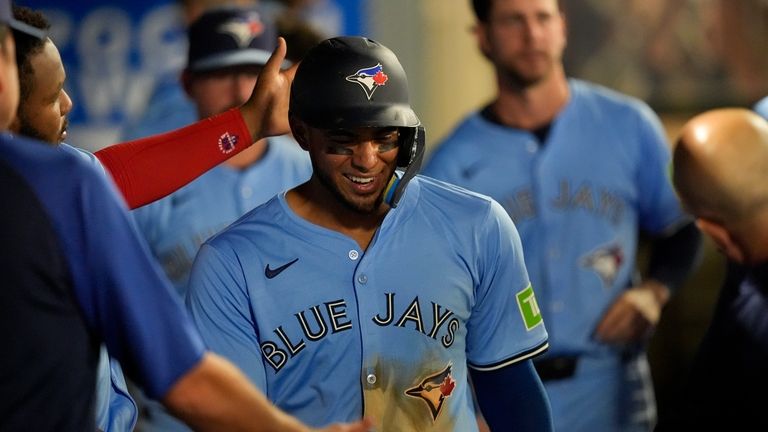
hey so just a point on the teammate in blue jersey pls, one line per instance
(580, 169)
(721, 173)
(367, 290)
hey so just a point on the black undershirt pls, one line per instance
(541, 133)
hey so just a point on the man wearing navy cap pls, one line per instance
(227, 49)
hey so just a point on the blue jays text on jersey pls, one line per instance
(331, 317)
(388, 332)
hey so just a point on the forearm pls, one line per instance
(216, 396)
(673, 258)
(150, 168)
(513, 395)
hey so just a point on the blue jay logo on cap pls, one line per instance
(369, 79)
(244, 30)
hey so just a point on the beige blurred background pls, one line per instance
(680, 56)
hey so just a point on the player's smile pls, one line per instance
(362, 185)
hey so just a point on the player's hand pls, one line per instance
(266, 111)
(364, 425)
(633, 316)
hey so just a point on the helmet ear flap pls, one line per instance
(407, 147)
(414, 139)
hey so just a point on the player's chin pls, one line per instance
(365, 204)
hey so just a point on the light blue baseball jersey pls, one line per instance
(116, 410)
(331, 332)
(578, 201)
(178, 224)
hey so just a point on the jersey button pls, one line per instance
(371, 379)
(362, 279)
(246, 192)
(353, 254)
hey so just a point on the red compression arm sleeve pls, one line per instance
(150, 168)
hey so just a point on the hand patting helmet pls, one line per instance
(353, 82)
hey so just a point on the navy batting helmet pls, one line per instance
(353, 82)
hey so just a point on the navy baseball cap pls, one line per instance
(230, 36)
(6, 17)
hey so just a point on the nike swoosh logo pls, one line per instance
(472, 170)
(270, 273)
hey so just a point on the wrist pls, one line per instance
(661, 291)
(251, 121)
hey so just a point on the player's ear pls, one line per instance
(480, 30)
(299, 131)
(722, 237)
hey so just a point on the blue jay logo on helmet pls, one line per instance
(369, 78)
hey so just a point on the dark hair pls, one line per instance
(3, 33)
(27, 46)
(482, 9)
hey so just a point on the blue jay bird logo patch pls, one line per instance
(369, 79)
(434, 389)
(606, 262)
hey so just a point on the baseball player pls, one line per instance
(367, 290)
(580, 169)
(144, 170)
(720, 170)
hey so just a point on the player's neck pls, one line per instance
(249, 156)
(317, 205)
(532, 106)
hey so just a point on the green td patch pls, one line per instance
(529, 309)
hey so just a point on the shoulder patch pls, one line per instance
(529, 309)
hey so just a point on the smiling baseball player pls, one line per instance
(367, 290)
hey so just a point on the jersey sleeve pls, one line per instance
(126, 298)
(218, 302)
(659, 207)
(148, 169)
(506, 325)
